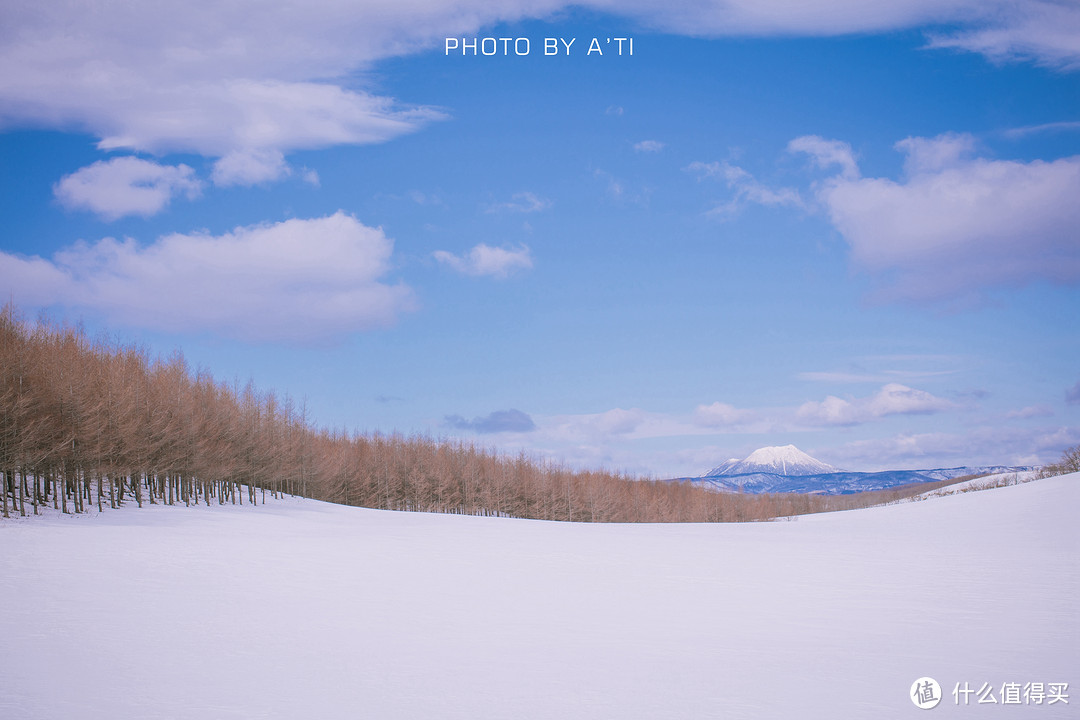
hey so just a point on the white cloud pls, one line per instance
(783, 17)
(721, 415)
(1046, 31)
(210, 78)
(601, 429)
(892, 399)
(636, 424)
(250, 167)
(979, 446)
(126, 186)
(897, 399)
(522, 202)
(649, 146)
(252, 116)
(930, 155)
(957, 225)
(826, 153)
(215, 78)
(249, 85)
(311, 177)
(619, 421)
(486, 260)
(298, 280)
(745, 187)
(1030, 412)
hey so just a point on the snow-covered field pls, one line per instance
(299, 609)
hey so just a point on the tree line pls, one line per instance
(89, 423)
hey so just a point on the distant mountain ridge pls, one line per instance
(788, 469)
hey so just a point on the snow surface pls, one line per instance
(299, 609)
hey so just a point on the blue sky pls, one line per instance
(851, 227)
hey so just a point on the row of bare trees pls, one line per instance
(1069, 463)
(88, 423)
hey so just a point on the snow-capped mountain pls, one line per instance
(786, 460)
(723, 468)
(788, 469)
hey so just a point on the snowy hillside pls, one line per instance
(299, 609)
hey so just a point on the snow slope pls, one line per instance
(300, 609)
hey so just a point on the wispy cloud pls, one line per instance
(648, 146)
(745, 187)
(624, 424)
(1032, 411)
(487, 260)
(500, 421)
(842, 377)
(522, 202)
(884, 376)
(1044, 31)
(126, 186)
(1064, 126)
(1072, 395)
(299, 280)
(614, 186)
(827, 153)
(618, 191)
(311, 177)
